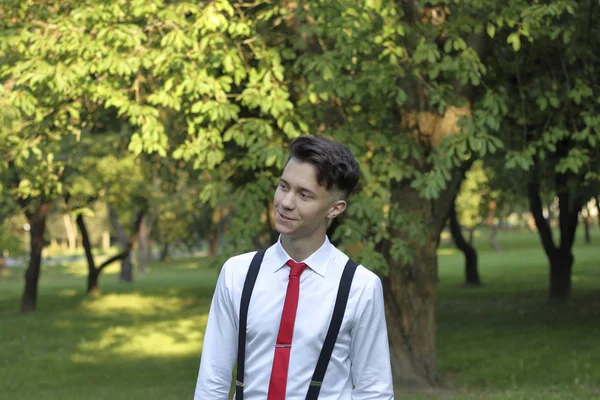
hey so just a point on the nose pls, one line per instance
(288, 200)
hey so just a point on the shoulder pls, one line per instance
(239, 264)
(363, 277)
(366, 276)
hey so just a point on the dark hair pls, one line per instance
(336, 166)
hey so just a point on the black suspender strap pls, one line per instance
(334, 329)
(244, 304)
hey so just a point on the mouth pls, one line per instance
(283, 217)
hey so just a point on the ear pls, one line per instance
(336, 209)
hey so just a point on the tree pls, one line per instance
(466, 212)
(225, 85)
(182, 214)
(394, 82)
(38, 119)
(32, 186)
(553, 130)
(67, 66)
(93, 271)
(103, 169)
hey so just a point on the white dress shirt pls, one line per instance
(359, 368)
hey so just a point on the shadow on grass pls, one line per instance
(132, 337)
(143, 340)
(115, 378)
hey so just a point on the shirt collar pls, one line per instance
(317, 261)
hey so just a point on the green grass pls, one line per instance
(503, 340)
(142, 341)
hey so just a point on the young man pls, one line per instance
(293, 298)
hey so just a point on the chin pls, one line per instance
(283, 229)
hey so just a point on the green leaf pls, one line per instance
(401, 97)
(515, 39)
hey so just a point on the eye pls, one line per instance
(283, 186)
(305, 196)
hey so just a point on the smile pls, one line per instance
(283, 217)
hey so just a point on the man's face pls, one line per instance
(302, 206)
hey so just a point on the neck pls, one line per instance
(302, 248)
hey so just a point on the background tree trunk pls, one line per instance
(493, 238)
(3, 266)
(126, 274)
(105, 241)
(144, 250)
(70, 231)
(93, 273)
(597, 208)
(560, 257)
(492, 226)
(492, 211)
(530, 221)
(471, 265)
(37, 222)
(164, 254)
(471, 235)
(587, 222)
(213, 241)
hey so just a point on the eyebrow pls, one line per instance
(302, 189)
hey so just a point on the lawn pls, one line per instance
(143, 341)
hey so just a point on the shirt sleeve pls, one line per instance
(370, 353)
(219, 350)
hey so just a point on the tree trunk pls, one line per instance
(471, 265)
(37, 222)
(493, 238)
(126, 274)
(530, 221)
(560, 257)
(213, 241)
(105, 241)
(3, 266)
(410, 289)
(587, 222)
(492, 226)
(143, 254)
(93, 273)
(69, 231)
(492, 211)
(410, 293)
(561, 266)
(164, 254)
(71, 234)
(597, 208)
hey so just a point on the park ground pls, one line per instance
(143, 340)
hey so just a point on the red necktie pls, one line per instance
(283, 346)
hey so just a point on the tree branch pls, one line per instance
(86, 243)
(120, 256)
(442, 206)
(132, 238)
(535, 206)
